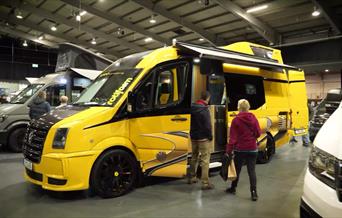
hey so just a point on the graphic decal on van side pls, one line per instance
(117, 93)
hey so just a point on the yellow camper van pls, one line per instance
(134, 119)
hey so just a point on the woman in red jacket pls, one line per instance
(243, 135)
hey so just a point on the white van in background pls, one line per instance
(322, 195)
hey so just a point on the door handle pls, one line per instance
(179, 118)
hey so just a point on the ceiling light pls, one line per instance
(149, 39)
(78, 18)
(25, 43)
(53, 28)
(326, 70)
(316, 12)
(93, 41)
(82, 13)
(41, 37)
(257, 8)
(19, 15)
(153, 20)
(197, 60)
(201, 39)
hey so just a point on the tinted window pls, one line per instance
(163, 87)
(26, 93)
(247, 87)
(334, 97)
(53, 93)
(108, 88)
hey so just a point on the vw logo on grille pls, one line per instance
(31, 136)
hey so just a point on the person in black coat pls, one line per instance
(39, 106)
(200, 134)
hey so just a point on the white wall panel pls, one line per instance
(317, 86)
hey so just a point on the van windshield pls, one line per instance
(26, 94)
(108, 88)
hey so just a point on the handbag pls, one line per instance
(228, 171)
(225, 160)
(231, 171)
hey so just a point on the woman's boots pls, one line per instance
(254, 195)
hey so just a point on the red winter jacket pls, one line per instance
(244, 132)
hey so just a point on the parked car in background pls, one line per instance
(323, 111)
(322, 195)
(75, 69)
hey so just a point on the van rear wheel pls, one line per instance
(16, 140)
(266, 155)
(114, 174)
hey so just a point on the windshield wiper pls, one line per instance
(87, 104)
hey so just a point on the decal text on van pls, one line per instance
(119, 91)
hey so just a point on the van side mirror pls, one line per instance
(131, 102)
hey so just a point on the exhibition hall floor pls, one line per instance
(279, 186)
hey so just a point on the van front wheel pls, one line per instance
(16, 140)
(114, 174)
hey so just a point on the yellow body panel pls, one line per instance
(150, 139)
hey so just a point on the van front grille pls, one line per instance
(34, 143)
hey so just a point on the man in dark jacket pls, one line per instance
(39, 106)
(200, 133)
(243, 135)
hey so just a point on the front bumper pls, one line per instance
(306, 211)
(320, 198)
(62, 172)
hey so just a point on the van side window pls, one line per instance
(171, 85)
(164, 91)
(247, 87)
(54, 92)
(164, 87)
(144, 95)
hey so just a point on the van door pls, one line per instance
(298, 103)
(160, 125)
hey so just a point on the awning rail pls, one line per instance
(232, 57)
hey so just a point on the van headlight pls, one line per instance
(322, 166)
(60, 138)
(3, 117)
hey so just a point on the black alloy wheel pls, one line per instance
(265, 155)
(114, 174)
(16, 140)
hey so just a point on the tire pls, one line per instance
(114, 174)
(265, 156)
(16, 139)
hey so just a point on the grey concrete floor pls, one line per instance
(279, 186)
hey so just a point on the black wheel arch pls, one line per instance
(16, 125)
(115, 147)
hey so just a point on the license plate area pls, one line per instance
(28, 164)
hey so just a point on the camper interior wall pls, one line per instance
(199, 83)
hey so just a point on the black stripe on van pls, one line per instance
(284, 81)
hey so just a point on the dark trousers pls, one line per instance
(250, 159)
